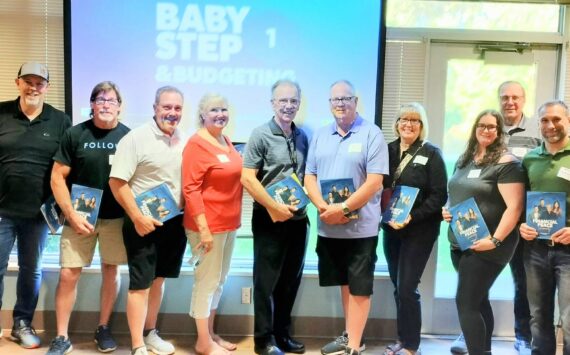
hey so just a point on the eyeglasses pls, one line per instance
(284, 102)
(488, 127)
(101, 101)
(505, 98)
(341, 100)
(413, 122)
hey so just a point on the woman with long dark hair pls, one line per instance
(495, 179)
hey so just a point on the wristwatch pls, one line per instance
(345, 209)
(496, 241)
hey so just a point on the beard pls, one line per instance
(32, 100)
(555, 137)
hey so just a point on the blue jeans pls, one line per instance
(547, 269)
(31, 235)
(521, 307)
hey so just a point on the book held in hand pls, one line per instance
(288, 191)
(86, 201)
(400, 204)
(546, 212)
(338, 191)
(52, 214)
(467, 223)
(158, 203)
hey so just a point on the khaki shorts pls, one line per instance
(77, 250)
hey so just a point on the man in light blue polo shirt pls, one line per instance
(355, 149)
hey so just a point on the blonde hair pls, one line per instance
(413, 107)
(206, 102)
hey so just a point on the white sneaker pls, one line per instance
(157, 345)
(139, 351)
(459, 346)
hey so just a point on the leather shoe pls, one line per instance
(269, 349)
(290, 345)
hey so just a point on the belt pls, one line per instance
(550, 243)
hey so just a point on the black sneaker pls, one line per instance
(104, 340)
(25, 335)
(60, 346)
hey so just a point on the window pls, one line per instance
(472, 15)
(37, 36)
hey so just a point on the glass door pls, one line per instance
(463, 81)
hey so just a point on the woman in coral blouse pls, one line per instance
(211, 171)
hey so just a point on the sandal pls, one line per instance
(393, 349)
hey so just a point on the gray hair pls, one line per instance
(413, 107)
(510, 82)
(551, 103)
(164, 89)
(285, 82)
(346, 82)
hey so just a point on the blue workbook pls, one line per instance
(338, 191)
(288, 192)
(158, 203)
(546, 212)
(86, 201)
(52, 214)
(467, 223)
(400, 204)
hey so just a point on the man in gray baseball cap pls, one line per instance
(31, 131)
(34, 68)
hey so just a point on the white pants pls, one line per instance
(211, 274)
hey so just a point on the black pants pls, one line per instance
(522, 309)
(278, 260)
(475, 278)
(407, 253)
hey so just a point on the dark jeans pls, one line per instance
(278, 260)
(547, 269)
(521, 307)
(475, 278)
(407, 256)
(31, 235)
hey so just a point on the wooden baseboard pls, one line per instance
(180, 323)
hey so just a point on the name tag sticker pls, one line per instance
(474, 174)
(111, 156)
(355, 148)
(420, 159)
(564, 173)
(223, 158)
(519, 152)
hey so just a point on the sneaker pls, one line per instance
(139, 351)
(459, 346)
(522, 346)
(25, 335)
(104, 340)
(339, 345)
(157, 345)
(60, 346)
